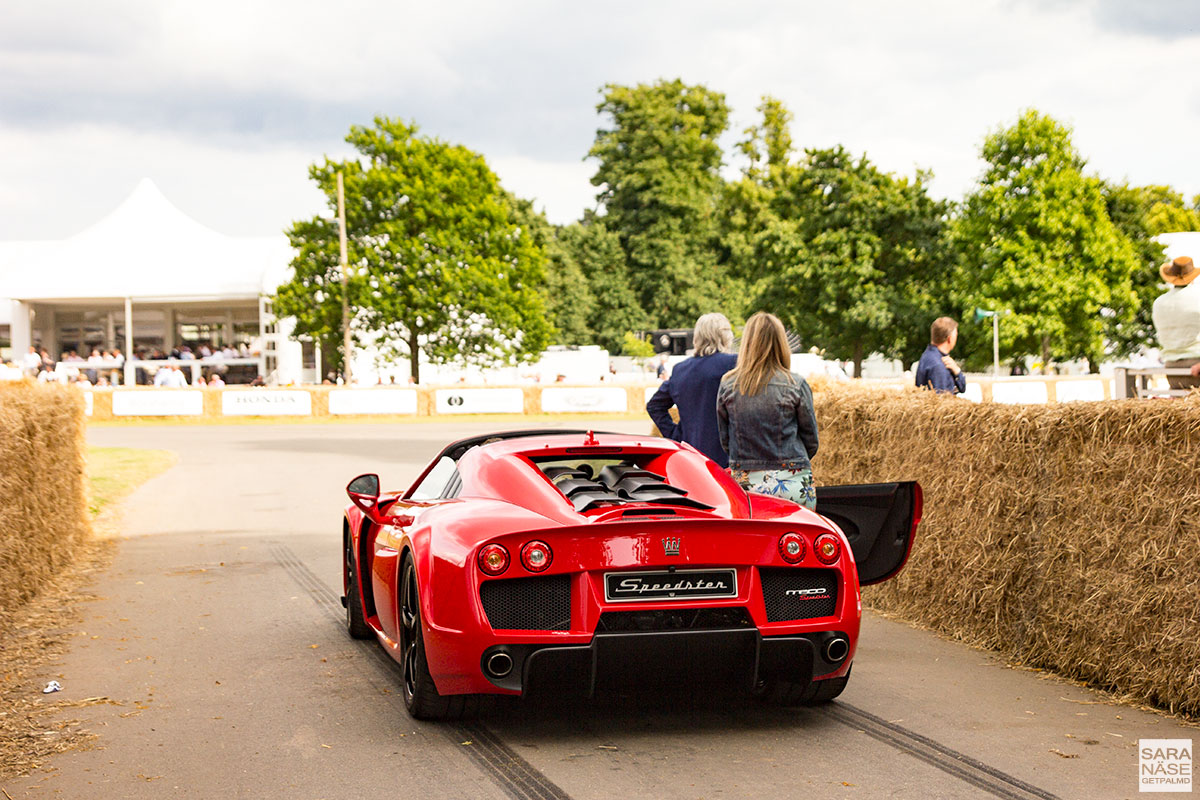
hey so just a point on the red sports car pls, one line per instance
(565, 561)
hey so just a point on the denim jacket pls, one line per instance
(774, 429)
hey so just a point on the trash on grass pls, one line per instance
(51, 687)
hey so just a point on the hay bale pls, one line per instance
(43, 498)
(1064, 536)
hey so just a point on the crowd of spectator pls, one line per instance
(104, 368)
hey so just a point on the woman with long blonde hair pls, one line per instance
(765, 416)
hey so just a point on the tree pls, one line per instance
(659, 178)
(768, 145)
(751, 205)
(1035, 238)
(590, 253)
(440, 264)
(852, 259)
(313, 294)
(1140, 213)
(570, 305)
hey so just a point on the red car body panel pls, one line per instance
(505, 498)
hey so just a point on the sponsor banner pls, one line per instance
(689, 584)
(1068, 391)
(158, 403)
(373, 401)
(265, 403)
(564, 400)
(650, 390)
(480, 401)
(1020, 392)
(87, 403)
(974, 392)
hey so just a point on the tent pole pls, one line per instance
(130, 369)
(347, 343)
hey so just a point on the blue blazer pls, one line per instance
(692, 388)
(933, 374)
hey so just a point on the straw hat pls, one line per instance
(1179, 272)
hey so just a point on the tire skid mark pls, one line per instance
(321, 594)
(513, 774)
(518, 778)
(952, 762)
(521, 781)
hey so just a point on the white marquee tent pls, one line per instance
(147, 274)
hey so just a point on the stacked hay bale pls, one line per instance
(42, 495)
(1064, 536)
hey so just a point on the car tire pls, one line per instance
(356, 622)
(421, 696)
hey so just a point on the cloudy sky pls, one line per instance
(224, 104)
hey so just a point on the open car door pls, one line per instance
(879, 519)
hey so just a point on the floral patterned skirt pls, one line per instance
(791, 484)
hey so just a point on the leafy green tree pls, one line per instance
(441, 264)
(768, 145)
(1167, 212)
(569, 299)
(752, 204)
(1140, 213)
(853, 260)
(313, 295)
(636, 346)
(591, 254)
(659, 183)
(570, 305)
(1035, 238)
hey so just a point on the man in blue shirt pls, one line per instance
(692, 388)
(936, 369)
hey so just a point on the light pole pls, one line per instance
(983, 313)
(347, 341)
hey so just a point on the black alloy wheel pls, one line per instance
(421, 696)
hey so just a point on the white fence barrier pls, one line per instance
(159, 403)
(574, 400)
(479, 401)
(264, 403)
(373, 401)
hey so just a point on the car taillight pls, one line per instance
(493, 559)
(791, 547)
(827, 548)
(536, 556)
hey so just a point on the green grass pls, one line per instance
(114, 472)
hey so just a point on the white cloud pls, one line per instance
(70, 178)
(226, 103)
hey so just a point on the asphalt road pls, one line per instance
(219, 632)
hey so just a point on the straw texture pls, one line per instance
(42, 496)
(1065, 536)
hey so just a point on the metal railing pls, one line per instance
(194, 366)
(1136, 382)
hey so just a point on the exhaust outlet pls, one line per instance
(836, 650)
(499, 664)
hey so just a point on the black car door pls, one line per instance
(879, 519)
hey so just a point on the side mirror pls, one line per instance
(364, 493)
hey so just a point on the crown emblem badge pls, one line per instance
(670, 545)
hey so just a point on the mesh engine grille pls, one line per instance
(528, 604)
(803, 602)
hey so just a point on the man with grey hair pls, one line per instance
(692, 389)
